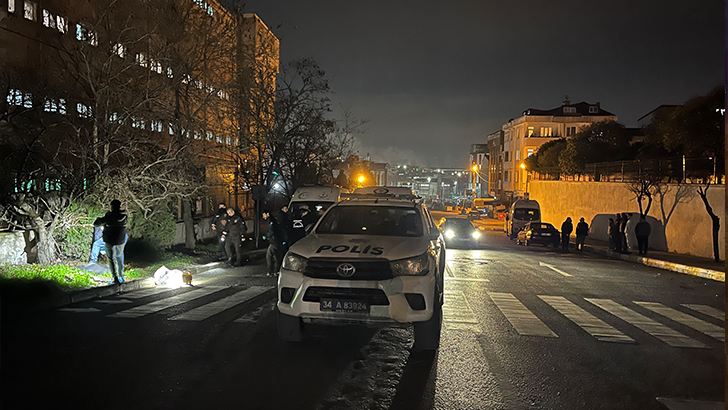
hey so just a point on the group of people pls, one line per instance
(582, 231)
(617, 232)
(618, 239)
(230, 227)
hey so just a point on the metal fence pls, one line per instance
(678, 169)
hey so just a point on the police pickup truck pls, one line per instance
(376, 258)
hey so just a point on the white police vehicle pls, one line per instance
(376, 258)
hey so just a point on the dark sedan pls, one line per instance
(538, 232)
(460, 232)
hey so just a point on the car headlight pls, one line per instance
(449, 234)
(476, 235)
(294, 262)
(411, 266)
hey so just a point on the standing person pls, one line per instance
(642, 230)
(273, 234)
(286, 224)
(610, 235)
(98, 245)
(217, 226)
(623, 232)
(566, 229)
(232, 235)
(582, 231)
(114, 235)
(614, 233)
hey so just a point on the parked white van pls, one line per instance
(317, 198)
(522, 211)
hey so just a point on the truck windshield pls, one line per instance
(371, 220)
(525, 214)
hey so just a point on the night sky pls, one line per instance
(432, 77)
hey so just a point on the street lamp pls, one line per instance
(523, 167)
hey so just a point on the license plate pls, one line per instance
(342, 305)
(546, 234)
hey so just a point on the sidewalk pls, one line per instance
(58, 299)
(687, 264)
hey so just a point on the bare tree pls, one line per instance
(715, 219)
(643, 188)
(681, 193)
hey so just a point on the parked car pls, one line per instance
(459, 232)
(538, 232)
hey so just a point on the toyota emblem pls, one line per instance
(346, 270)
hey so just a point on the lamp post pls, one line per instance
(475, 176)
(523, 167)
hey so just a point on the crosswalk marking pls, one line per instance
(467, 279)
(658, 330)
(702, 326)
(159, 305)
(205, 311)
(590, 323)
(457, 314)
(525, 322)
(142, 293)
(707, 310)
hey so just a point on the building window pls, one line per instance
(86, 35)
(530, 132)
(155, 66)
(545, 131)
(11, 6)
(518, 155)
(30, 10)
(229, 140)
(570, 131)
(169, 72)
(529, 152)
(83, 110)
(141, 59)
(62, 24)
(593, 109)
(569, 110)
(505, 157)
(119, 50)
(515, 176)
(505, 176)
(19, 98)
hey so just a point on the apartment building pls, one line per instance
(524, 135)
(100, 78)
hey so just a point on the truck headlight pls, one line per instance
(294, 262)
(476, 235)
(449, 234)
(410, 266)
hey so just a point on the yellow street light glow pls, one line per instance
(361, 178)
(475, 167)
(523, 166)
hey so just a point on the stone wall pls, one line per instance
(12, 248)
(688, 230)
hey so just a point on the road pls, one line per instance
(524, 328)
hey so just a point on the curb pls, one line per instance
(671, 266)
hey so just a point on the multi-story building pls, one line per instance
(523, 136)
(478, 160)
(495, 163)
(97, 77)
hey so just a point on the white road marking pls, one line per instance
(113, 301)
(80, 310)
(142, 293)
(159, 305)
(683, 404)
(457, 314)
(707, 310)
(656, 329)
(525, 322)
(468, 279)
(554, 269)
(701, 326)
(448, 270)
(585, 320)
(205, 311)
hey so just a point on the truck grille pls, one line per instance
(373, 296)
(365, 270)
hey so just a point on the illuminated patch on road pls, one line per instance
(707, 310)
(205, 311)
(701, 326)
(585, 320)
(525, 322)
(159, 305)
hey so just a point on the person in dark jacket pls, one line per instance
(642, 230)
(217, 226)
(582, 231)
(273, 256)
(233, 233)
(286, 224)
(114, 235)
(623, 233)
(610, 226)
(615, 235)
(566, 229)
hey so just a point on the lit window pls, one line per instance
(229, 140)
(114, 117)
(84, 34)
(545, 131)
(518, 155)
(197, 135)
(84, 111)
(11, 6)
(62, 106)
(530, 131)
(209, 136)
(62, 24)
(50, 106)
(171, 129)
(218, 138)
(156, 66)
(119, 50)
(141, 59)
(169, 72)
(30, 10)
(15, 97)
(529, 152)
(49, 20)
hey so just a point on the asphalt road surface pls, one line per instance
(524, 328)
